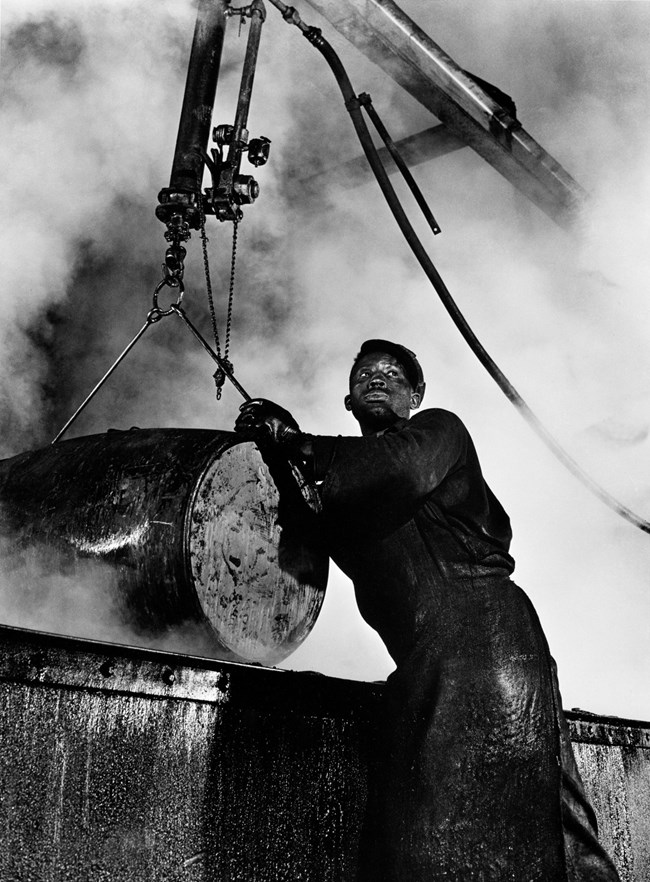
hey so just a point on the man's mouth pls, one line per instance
(376, 395)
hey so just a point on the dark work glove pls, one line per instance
(261, 419)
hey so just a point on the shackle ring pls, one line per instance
(169, 282)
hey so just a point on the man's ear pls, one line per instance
(416, 400)
(348, 402)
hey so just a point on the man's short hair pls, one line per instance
(404, 356)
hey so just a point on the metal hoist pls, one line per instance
(184, 205)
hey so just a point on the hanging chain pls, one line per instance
(219, 375)
(172, 280)
(208, 280)
(231, 290)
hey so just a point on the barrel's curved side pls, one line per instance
(110, 508)
(162, 586)
(116, 521)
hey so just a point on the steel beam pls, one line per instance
(429, 144)
(386, 35)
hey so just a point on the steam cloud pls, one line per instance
(90, 105)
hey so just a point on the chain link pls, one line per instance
(231, 290)
(208, 280)
(219, 375)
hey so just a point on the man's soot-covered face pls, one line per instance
(380, 392)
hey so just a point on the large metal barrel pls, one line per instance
(194, 528)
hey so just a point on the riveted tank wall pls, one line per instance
(121, 764)
(614, 760)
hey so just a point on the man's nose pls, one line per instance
(377, 380)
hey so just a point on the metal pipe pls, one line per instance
(258, 15)
(230, 189)
(198, 100)
(178, 205)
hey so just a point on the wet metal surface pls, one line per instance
(614, 759)
(112, 770)
(122, 764)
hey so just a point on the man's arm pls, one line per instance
(400, 466)
(396, 469)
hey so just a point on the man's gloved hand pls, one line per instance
(261, 419)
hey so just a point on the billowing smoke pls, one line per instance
(45, 590)
(90, 105)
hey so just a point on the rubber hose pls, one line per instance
(353, 106)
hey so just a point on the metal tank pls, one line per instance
(185, 527)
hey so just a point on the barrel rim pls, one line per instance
(285, 651)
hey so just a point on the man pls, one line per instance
(475, 777)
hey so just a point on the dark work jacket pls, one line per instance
(468, 780)
(407, 513)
